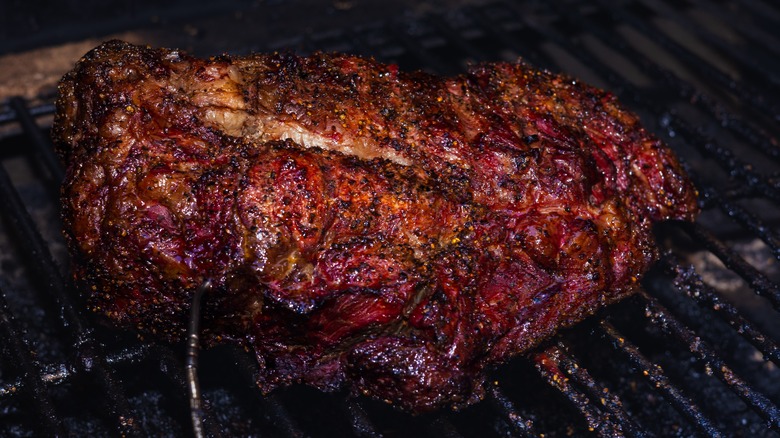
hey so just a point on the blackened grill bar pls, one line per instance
(521, 424)
(44, 152)
(689, 282)
(709, 147)
(747, 220)
(747, 92)
(671, 325)
(90, 358)
(757, 281)
(554, 365)
(32, 375)
(596, 391)
(32, 387)
(595, 25)
(654, 372)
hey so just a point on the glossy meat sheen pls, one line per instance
(393, 233)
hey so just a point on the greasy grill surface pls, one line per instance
(696, 353)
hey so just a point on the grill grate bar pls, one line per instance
(744, 218)
(57, 374)
(691, 283)
(672, 326)
(169, 363)
(22, 224)
(269, 405)
(362, 425)
(23, 356)
(725, 157)
(694, 61)
(522, 425)
(531, 51)
(174, 368)
(734, 123)
(754, 29)
(548, 364)
(598, 392)
(44, 150)
(745, 56)
(281, 417)
(424, 56)
(757, 281)
(655, 374)
(488, 26)
(90, 359)
(88, 355)
(456, 38)
(8, 115)
(355, 39)
(763, 15)
(758, 28)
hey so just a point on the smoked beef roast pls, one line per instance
(389, 232)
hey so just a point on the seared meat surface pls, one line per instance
(393, 233)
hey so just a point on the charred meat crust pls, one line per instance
(394, 233)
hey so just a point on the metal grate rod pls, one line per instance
(757, 281)
(87, 351)
(765, 14)
(692, 60)
(725, 157)
(747, 220)
(456, 38)
(8, 115)
(655, 374)
(32, 375)
(754, 136)
(745, 56)
(269, 404)
(750, 30)
(37, 251)
(672, 326)
(689, 282)
(56, 374)
(44, 150)
(281, 417)
(547, 363)
(362, 425)
(596, 391)
(171, 365)
(489, 27)
(522, 425)
(417, 50)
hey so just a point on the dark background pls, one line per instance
(41, 40)
(191, 24)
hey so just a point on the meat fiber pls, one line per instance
(391, 233)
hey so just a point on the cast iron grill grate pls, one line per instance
(694, 353)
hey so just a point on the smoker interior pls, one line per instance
(694, 353)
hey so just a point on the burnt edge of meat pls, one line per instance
(393, 233)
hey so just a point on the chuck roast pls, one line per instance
(388, 232)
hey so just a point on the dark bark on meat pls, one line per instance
(393, 233)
